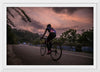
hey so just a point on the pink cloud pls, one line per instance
(41, 16)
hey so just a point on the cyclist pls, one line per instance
(52, 35)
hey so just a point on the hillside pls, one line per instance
(19, 36)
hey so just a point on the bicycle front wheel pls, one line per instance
(56, 53)
(42, 49)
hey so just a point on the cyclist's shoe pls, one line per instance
(49, 52)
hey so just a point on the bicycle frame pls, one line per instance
(54, 50)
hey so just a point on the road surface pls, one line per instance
(30, 55)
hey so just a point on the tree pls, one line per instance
(20, 12)
(69, 36)
(86, 38)
(11, 37)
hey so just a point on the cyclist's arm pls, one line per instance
(44, 33)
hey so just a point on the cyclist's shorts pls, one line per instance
(51, 36)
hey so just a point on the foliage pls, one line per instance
(72, 38)
(69, 36)
(15, 36)
(11, 37)
(36, 41)
(25, 36)
(86, 38)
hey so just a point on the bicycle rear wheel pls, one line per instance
(42, 49)
(56, 53)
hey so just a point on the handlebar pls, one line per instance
(43, 38)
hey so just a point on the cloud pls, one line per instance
(61, 18)
(36, 24)
(70, 10)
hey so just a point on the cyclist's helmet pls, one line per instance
(49, 25)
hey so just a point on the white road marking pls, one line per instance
(78, 55)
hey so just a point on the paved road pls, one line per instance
(30, 55)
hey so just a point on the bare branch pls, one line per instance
(10, 13)
(25, 14)
(9, 21)
(19, 14)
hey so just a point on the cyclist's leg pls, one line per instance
(49, 39)
(53, 35)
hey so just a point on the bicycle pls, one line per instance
(56, 52)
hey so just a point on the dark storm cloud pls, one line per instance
(70, 10)
(36, 24)
(61, 10)
(61, 18)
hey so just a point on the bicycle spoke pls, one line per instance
(56, 54)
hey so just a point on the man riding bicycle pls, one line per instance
(52, 35)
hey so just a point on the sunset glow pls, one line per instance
(61, 19)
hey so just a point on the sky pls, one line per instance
(60, 18)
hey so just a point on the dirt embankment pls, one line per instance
(12, 59)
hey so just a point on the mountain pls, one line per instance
(20, 36)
